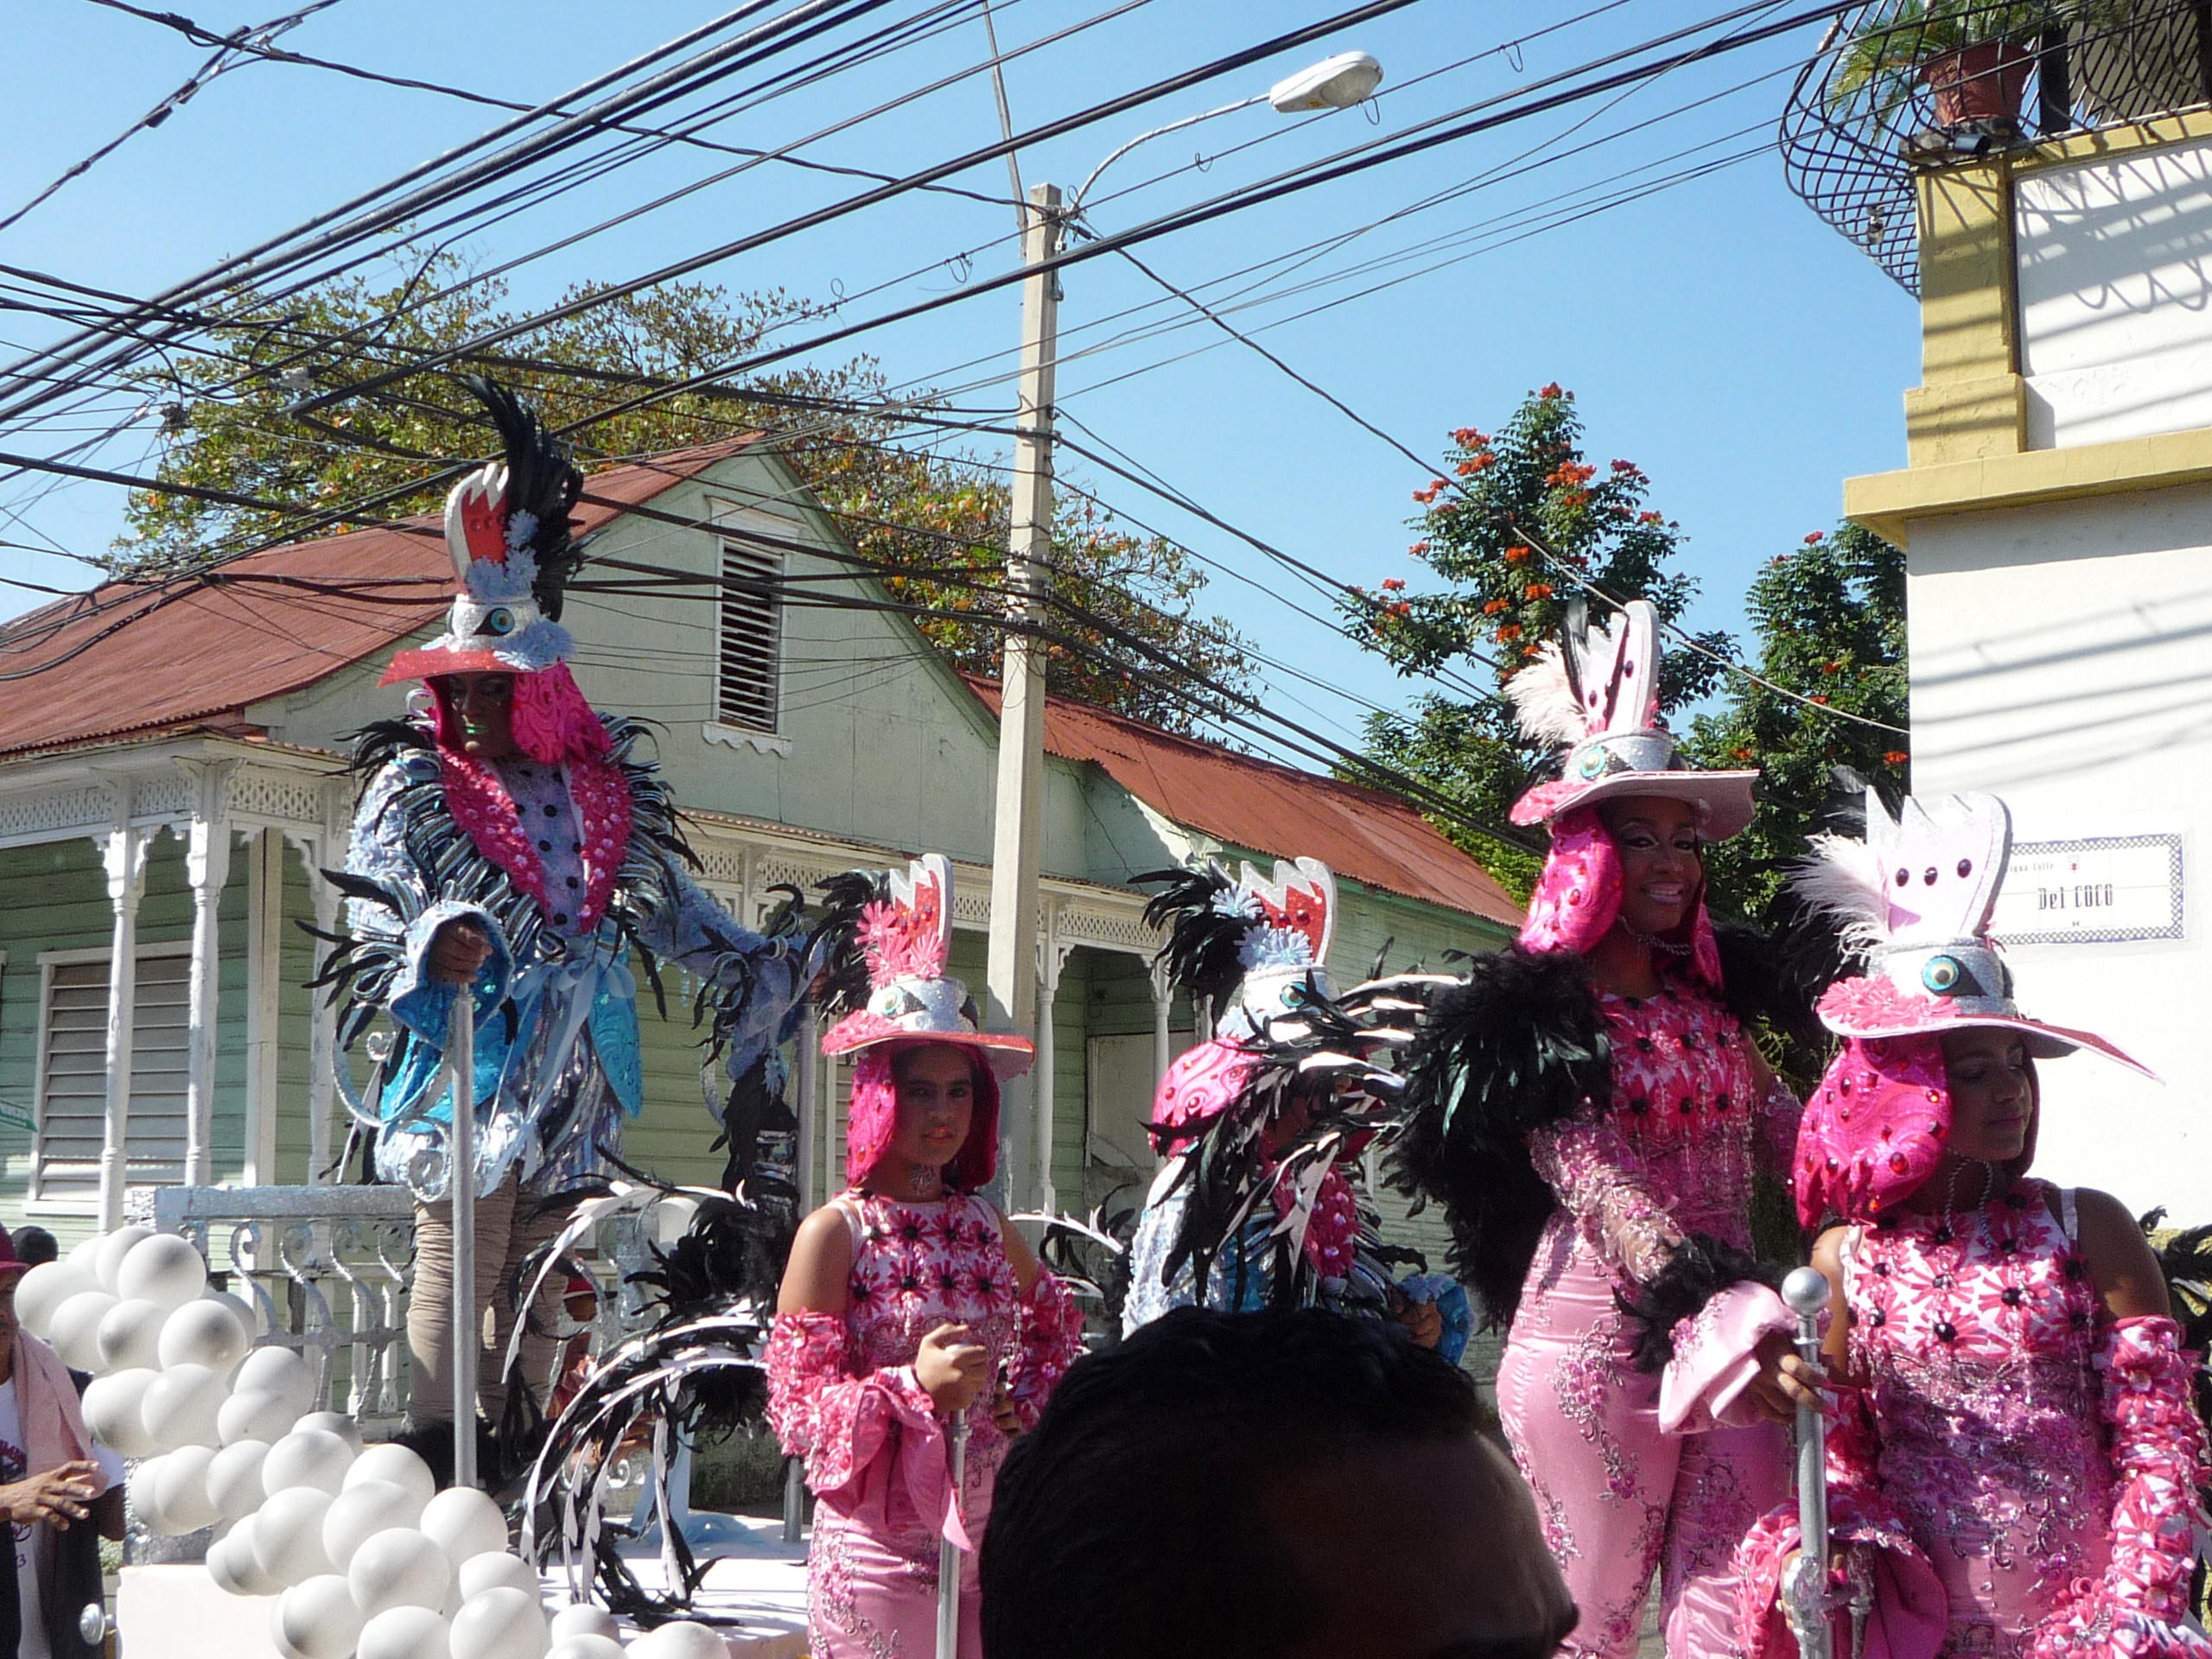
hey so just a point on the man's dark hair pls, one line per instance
(34, 1245)
(1127, 1523)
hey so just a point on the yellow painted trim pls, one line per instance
(2178, 128)
(1887, 503)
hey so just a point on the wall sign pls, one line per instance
(2098, 890)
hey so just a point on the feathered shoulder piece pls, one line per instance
(1220, 931)
(1515, 1044)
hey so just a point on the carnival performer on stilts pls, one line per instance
(511, 842)
(1262, 1126)
(916, 1331)
(2013, 1459)
(1590, 1113)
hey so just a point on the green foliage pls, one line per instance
(939, 519)
(1882, 62)
(1496, 599)
(1829, 620)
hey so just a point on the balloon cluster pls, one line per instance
(365, 1557)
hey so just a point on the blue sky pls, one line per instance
(1716, 332)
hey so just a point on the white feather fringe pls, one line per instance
(1545, 703)
(1842, 879)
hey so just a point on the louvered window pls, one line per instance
(747, 680)
(73, 1096)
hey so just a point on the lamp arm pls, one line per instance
(1075, 202)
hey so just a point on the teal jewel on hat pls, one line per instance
(1594, 763)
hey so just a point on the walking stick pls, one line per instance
(1809, 1601)
(461, 1193)
(948, 1555)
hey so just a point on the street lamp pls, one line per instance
(1015, 965)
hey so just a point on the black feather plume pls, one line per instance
(541, 481)
(1205, 940)
(1700, 1270)
(844, 983)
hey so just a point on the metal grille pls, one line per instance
(72, 1107)
(1900, 87)
(747, 682)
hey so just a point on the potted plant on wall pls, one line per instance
(1973, 56)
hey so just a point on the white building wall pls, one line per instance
(2061, 658)
(2115, 295)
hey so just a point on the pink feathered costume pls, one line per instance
(1633, 1473)
(842, 1391)
(2013, 1471)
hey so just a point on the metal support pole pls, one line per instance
(1018, 828)
(460, 1194)
(1806, 1601)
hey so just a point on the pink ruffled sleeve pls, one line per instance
(1586, 1163)
(839, 1421)
(2157, 1447)
(1048, 1337)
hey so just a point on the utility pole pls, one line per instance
(1018, 828)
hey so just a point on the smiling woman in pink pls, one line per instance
(1589, 1111)
(909, 1306)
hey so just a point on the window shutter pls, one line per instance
(748, 681)
(73, 1110)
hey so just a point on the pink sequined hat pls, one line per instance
(1595, 691)
(1914, 901)
(904, 933)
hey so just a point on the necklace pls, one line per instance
(1651, 941)
(1951, 1191)
(924, 1182)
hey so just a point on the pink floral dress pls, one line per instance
(843, 1394)
(1619, 1497)
(2022, 1463)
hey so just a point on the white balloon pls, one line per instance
(130, 1334)
(255, 1414)
(85, 1256)
(363, 1511)
(202, 1332)
(288, 1535)
(584, 1619)
(163, 1268)
(405, 1633)
(115, 1411)
(398, 1567)
(180, 1490)
(250, 1320)
(339, 1424)
(399, 1466)
(234, 1479)
(280, 1372)
(496, 1566)
(182, 1406)
(589, 1645)
(317, 1619)
(44, 1289)
(307, 1456)
(74, 1332)
(107, 1256)
(464, 1522)
(233, 1565)
(685, 1638)
(503, 1623)
(670, 1218)
(142, 1499)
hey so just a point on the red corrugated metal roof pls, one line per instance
(1373, 837)
(130, 657)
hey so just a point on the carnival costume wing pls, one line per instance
(1515, 1043)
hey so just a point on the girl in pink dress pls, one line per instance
(909, 1305)
(2014, 1457)
(1590, 1114)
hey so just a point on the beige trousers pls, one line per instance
(507, 1232)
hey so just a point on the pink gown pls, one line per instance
(2007, 1431)
(843, 1393)
(1619, 1497)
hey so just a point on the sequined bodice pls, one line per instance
(1974, 1337)
(1686, 1106)
(922, 1265)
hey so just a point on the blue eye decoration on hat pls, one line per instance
(499, 620)
(1941, 975)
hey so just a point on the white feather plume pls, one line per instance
(1546, 706)
(1841, 878)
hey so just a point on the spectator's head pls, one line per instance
(34, 1245)
(1279, 1484)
